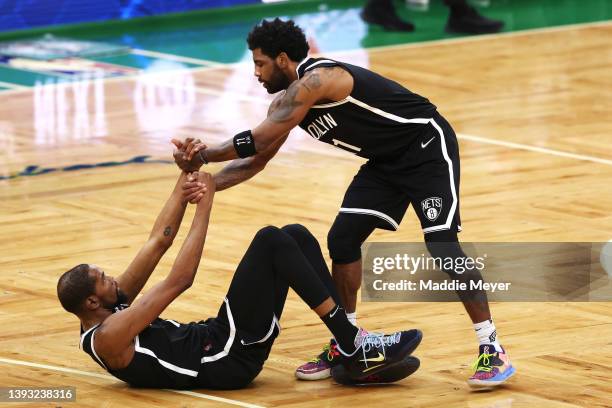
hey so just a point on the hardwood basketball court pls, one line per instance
(532, 110)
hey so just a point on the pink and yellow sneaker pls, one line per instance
(492, 367)
(319, 368)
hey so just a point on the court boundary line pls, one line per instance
(175, 57)
(109, 377)
(476, 38)
(536, 149)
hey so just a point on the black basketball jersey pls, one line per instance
(167, 354)
(379, 119)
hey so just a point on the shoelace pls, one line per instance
(316, 359)
(484, 358)
(331, 352)
(388, 340)
(378, 340)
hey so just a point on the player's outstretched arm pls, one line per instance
(117, 332)
(240, 170)
(160, 239)
(285, 113)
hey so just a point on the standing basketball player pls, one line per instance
(132, 343)
(412, 154)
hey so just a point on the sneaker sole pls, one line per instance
(488, 384)
(401, 354)
(324, 374)
(392, 373)
(314, 376)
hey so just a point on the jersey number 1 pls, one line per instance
(346, 146)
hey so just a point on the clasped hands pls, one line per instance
(187, 156)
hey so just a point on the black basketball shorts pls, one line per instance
(426, 175)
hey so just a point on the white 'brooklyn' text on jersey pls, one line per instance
(379, 119)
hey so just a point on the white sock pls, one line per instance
(487, 334)
(352, 317)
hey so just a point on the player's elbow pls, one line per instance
(261, 140)
(261, 159)
(186, 284)
(259, 162)
(182, 284)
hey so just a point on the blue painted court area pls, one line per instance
(25, 14)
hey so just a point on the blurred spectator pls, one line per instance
(462, 18)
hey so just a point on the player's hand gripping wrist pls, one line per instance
(188, 154)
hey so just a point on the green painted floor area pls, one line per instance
(337, 26)
(27, 78)
(219, 35)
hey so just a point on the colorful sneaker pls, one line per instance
(492, 368)
(376, 352)
(394, 372)
(319, 368)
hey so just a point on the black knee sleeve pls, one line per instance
(302, 236)
(297, 231)
(346, 236)
(444, 244)
(268, 232)
(270, 237)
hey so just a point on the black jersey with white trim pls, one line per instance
(379, 119)
(167, 354)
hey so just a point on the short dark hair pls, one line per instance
(276, 36)
(74, 286)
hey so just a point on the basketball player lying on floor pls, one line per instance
(132, 343)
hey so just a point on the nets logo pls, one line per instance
(432, 207)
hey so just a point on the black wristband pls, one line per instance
(244, 144)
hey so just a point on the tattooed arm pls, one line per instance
(164, 230)
(291, 107)
(240, 170)
(114, 340)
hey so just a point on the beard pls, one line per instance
(278, 81)
(121, 299)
